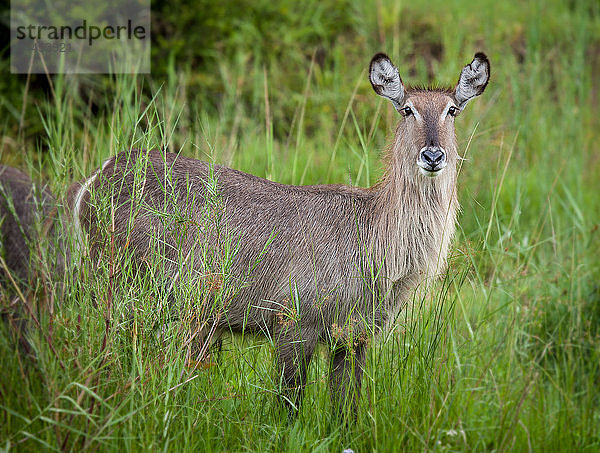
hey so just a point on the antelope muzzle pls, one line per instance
(432, 159)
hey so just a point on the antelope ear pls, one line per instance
(385, 79)
(473, 79)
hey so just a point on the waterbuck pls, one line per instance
(28, 216)
(30, 246)
(322, 263)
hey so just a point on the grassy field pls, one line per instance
(502, 355)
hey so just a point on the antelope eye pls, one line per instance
(406, 111)
(453, 111)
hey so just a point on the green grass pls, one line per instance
(503, 354)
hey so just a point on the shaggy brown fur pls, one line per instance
(22, 204)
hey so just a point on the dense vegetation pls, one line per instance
(504, 354)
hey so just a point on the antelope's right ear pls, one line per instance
(385, 79)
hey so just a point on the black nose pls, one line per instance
(433, 157)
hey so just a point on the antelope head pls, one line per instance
(425, 144)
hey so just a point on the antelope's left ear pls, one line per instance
(473, 79)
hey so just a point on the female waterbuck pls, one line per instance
(24, 205)
(325, 263)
